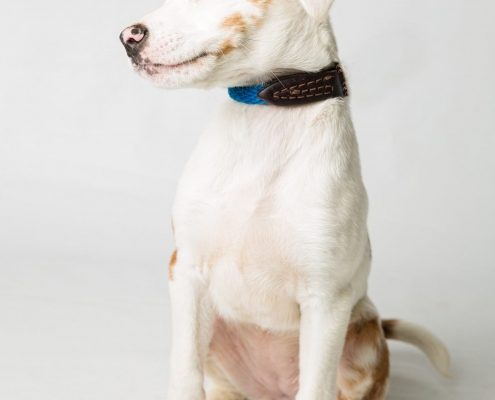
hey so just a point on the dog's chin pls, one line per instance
(191, 73)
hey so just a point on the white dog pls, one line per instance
(269, 279)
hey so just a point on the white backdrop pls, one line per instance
(90, 155)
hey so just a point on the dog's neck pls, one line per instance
(284, 45)
(290, 44)
(297, 46)
(310, 47)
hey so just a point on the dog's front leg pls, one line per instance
(192, 325)
(324, 321)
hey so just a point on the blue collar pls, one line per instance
(295, 89)
(247, 94)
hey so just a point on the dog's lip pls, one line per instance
(192, 60)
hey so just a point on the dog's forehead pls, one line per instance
(219, 6)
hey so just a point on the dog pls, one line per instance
(268, 282)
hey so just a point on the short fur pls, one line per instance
(269, 279)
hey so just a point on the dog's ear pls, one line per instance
(318, 9)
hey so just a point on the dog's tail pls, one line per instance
(420, 337)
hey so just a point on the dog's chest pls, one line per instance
(249, 207)
(235, 221)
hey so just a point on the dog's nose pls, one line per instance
(133, 38)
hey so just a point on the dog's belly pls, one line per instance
(262, 294)
(258, 363)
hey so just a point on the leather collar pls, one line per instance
(295, 89)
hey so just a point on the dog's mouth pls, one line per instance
(152, 68)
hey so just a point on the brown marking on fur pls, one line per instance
(263, 4)
(365, 333)
(364, 367)
(389, 328)
(236, 22)
(380, 376)
(226, 47)
(171, 265)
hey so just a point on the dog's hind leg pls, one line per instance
(364, 368)
(221, 389)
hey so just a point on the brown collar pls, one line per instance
(296, 89)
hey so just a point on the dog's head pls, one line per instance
(229, 42)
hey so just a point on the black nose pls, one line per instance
(133, 38)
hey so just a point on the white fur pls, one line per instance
(426, 341)
(270, 213)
